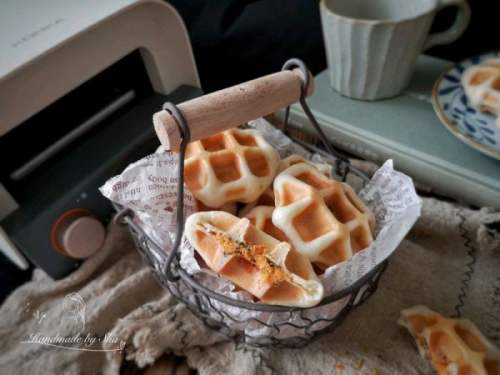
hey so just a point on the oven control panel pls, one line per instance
(64, 215)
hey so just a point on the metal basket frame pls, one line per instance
(204, 302)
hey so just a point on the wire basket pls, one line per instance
(289, 326)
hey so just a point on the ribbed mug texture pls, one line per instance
(372, 60)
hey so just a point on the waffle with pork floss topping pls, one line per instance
(270, 270)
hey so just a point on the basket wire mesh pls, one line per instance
(290, 326)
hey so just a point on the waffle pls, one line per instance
(324, 219)
(269, 270)
(482, 86)
(296, 159)
(453, 346)
(265, 199)
(232, 166)
(261, 217)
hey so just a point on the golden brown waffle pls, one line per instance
(270, 270)
(324, 219)
(265, 199)
(261, 217)
(296, 159)
(232, 166)
(453, 346)
(482, 86)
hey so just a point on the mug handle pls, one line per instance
(458, 27)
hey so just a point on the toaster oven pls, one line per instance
(77, 92)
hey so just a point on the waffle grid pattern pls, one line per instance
(323, 218)
(235, 165)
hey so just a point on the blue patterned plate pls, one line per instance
(464, 121)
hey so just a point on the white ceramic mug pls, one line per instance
(372, 45)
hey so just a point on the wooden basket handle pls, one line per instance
(231, 107)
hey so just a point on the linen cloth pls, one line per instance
(450, 261)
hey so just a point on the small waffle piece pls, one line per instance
(232, 166)
(482, 86)
(324, 219)
(296, 159)
(270, 270)
(453, 346)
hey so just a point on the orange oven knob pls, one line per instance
(77, 234)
